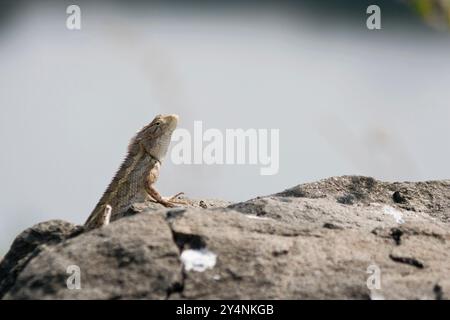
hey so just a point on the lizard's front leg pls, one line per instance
(152, 192)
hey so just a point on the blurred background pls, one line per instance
(347, 100)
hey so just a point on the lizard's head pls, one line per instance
(155, 137)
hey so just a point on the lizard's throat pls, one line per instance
(159, 149)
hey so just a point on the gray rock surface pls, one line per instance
(313, 241)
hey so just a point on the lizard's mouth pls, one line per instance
(172, 120)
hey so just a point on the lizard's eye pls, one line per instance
(157, 123)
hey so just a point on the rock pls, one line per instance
(321, 240)
(28, 244)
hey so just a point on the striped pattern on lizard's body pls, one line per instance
(127, 187)
(134, 180)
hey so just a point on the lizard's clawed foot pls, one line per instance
(172, 201)
(169, 202)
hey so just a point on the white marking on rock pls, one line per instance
(256, 217)
(376, 295)
(397, 214)
(198, 260)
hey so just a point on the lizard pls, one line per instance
(135, 179)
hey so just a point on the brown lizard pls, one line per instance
(135, 179)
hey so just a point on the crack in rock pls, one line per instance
(396, 234)
(407, 260)
(438, 293)
(398, 197)
(193, 254)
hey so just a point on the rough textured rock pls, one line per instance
(313, 241)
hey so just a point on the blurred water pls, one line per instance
(346, 101)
